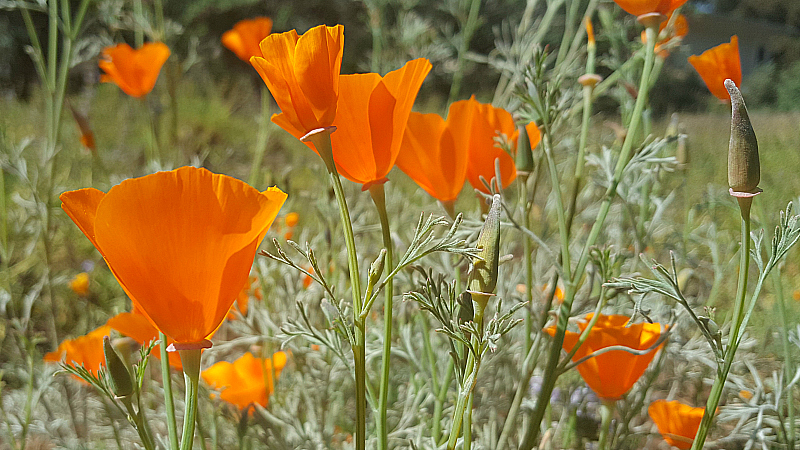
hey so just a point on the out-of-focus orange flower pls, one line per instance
(717, 64)
(640, 7)
(371, 119)
(134, 71)
(136, 326)
(534, 135)
(302, 73)
(677, 423)
(80, 284)
(559, 293)
(291, 219)
(307, 280)
(251, 287)
(247, 380)
(181, 243)
(430, 156)
(244, 37)
(87, 136)
(589, 30)
(612, 374)
(86, 351)
(475, 126)
(679, 30)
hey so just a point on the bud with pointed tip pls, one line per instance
(524, 160)
(483, 278)
(744, 171)
(118, 373)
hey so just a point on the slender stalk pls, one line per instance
(470, 375)
(191, 374)
(467, 444)
(466, 37)
(441, 396)
(379, 198)
(606, 414)
(261, 140)
(375, 26)
(152, 151)
(548, 383)
(788, 364)
(321, 138)
(138, 18)
(527, 250)
(169, 403)
(733, 341)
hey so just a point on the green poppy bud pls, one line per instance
(744, 171)
(524, 160)
(483, 277)
(118, 373)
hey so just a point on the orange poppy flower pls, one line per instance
(677, 423)
(87, 136)
(475, 126)
(371, 118)
(251, 287)
(80, 284)
(612, 374)
(181, 243)
(134, 71)
(430, 156)
(640, 7)
(86, 351)
(136, 326)
(247, 380)
(717, 64)
(534, 135)
(302, 73)
(679, 30)
(245, 36)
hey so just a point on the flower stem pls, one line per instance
(606, 414)
(191, 375)
(733, 340)
(379, 198)
(321, 138)
(261, 139)
(466, 37)
(550, 375)
(169, 403)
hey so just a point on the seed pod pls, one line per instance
(118, 374)
(744, 171)
(483, 277)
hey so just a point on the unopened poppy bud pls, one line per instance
(376, 268)
(483, 277)
(524, 160)
(744, 171)
(118, 373)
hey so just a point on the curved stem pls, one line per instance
(379, 197)
(321, 139)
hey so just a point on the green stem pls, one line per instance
(526, 250)
(466, 37)
(152, 151)
(788, 364)
(261, 140)
(374, 12)
(169, 403)
(550, 375)
(467, 444)
(138, 17)
(379, 198)
(321, 138)
(191, 375)
(441, 397)
(733, 340)
(470, 375)
(606, 414)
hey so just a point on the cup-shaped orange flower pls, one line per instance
(678, 423)
(247, 380)
(641, 7)
(475, 126)
(430, 156)
(86, 351)
(137, 327)
(613, 373)
(371, 118)
(718, 63)
(302, 73)
(181, 243)
(244, 37)
(134, 71)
